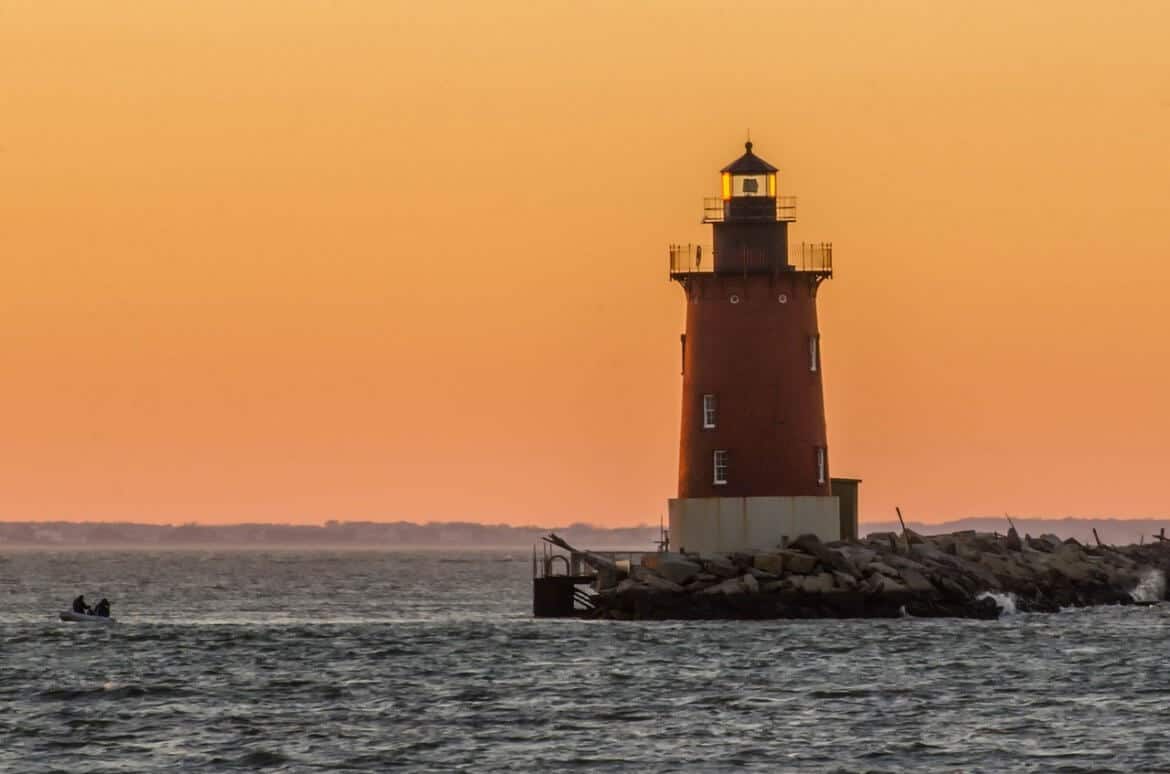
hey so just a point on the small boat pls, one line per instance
(69, 615)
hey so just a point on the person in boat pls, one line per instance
(102, 608)
(79, 606)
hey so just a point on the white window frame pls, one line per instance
(821, 462)
(719, 462)
(709, 407)
(814, 352)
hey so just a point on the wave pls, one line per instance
(106, 691)
(1150, 588)
(1005, 601)
(110, 690)
(261, 758)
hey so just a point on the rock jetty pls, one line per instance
(885, 575)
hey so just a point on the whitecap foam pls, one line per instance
(1151, 587)
(1006, 602)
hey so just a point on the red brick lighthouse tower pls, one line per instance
(753, 456)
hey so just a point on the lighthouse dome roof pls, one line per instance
(748, 164)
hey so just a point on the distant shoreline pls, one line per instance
(437, 536)
(517, 553)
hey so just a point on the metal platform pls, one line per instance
(565, 580)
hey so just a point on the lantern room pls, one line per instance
(748, 188)
(748, 176)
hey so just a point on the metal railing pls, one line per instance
(815, 257)
(553, 562)
(812, 256)
(689, 259)
(714, 209)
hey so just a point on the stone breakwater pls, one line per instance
(883, 576)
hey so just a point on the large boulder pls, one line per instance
(845, 581)
(944, 543)
(673, 567)
(987, 542)
(979, 578)
(821, 583)
(626, 586)
(812, 545)
(1010, 572)
(955, 588)
(878, 583)
(1075, 569)
(1121, 573)
(1039, 544)
(889, 585)
(720, 567)
(859, 555)
(607, 578)
(658, 583)
(929, 553)
(700, 583)
(797, 562)
(730, 586)
(741, 559)
(916, 581)
(653, 580)
(902, 562)
(750, 583)
(967, 551)
(773, 563)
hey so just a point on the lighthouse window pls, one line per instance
(720, 466)
(814, 353)
(748, 185)
(708, 411)
(820, 464)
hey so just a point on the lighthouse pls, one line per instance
(753, 468)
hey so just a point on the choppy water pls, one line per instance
(319, 661)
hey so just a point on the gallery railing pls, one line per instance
(715, 210)
(815, 257)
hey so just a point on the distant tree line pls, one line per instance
(406, 534)
(365, 534)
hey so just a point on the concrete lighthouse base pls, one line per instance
(726, 524)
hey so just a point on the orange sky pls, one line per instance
(295, 261)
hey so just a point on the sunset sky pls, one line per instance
(365, 259)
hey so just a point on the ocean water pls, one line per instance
(353, 661)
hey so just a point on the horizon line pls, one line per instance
(577, 524)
